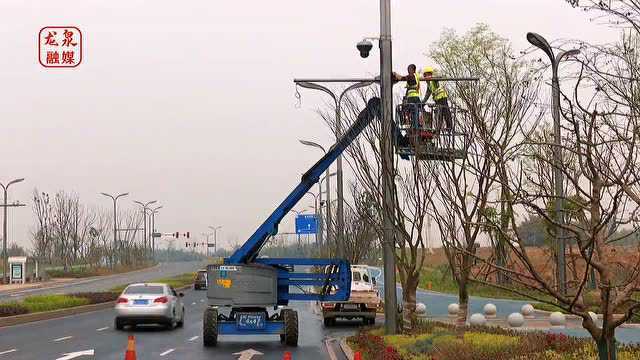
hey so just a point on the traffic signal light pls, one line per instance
(187, 234)
(177, 235)
(186, 244)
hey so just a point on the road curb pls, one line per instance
(346, 349)
(54, 314)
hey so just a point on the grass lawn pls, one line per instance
(442, 341)
(83, 271)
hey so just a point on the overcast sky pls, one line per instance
(191, 103)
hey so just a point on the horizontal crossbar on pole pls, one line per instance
(357, 80)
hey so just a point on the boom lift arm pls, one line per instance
(250, 249)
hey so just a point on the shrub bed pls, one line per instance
(439, 341)
(12, 309)
(38, 303)
(97, 297)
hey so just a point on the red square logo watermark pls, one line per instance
(60, 46)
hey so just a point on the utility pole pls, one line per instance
(115, 224)
(386, 149)
(144, 215)
(5, 265)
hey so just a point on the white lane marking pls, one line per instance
(201, 300)
(73, 355)
(102, 329)
(167, 352)
(62, 338)
(8, 351)
(194, 338)
(193, 303)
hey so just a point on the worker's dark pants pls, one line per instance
(415, 110)
(444, 114)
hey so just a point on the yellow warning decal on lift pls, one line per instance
(225, 283)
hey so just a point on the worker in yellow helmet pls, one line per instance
(440, 97)
(412, 95)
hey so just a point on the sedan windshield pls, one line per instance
(144, 290)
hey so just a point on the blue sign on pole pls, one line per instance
(306, 224)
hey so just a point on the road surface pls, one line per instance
(51, 339)
(101, 283)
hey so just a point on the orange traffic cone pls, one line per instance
(131, 349)
(357, 356)
(287, 356)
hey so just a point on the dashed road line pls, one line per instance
(62, 339)
(194, 338)
(193, 303)
(8, 351)
(201, 300)
(167, 352)
(102, 329)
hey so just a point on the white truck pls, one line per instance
(363, 302)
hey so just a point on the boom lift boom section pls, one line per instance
(241, 290)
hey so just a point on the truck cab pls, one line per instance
(363, 302)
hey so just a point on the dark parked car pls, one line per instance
(200, 281)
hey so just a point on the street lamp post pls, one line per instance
(115, 223)
(153, 229)
(386, 149)
(540, 42)
(328, 215)
(5, 266)
(144, 215)
(340, 191)
(215, 237)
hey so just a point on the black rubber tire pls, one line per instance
(210, 327)
(290, 328)
(181, 322)
(118, 324)
(329, 321)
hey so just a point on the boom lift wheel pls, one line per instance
(290, 336)
(210, 327)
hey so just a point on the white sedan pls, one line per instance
(149, 303)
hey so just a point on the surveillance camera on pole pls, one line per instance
(364, 47)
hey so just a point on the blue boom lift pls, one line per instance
(244, 288)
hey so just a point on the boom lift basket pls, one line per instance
(424, 134)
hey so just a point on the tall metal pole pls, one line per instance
(144, 218)
(5, 265)
(115, 223)
(540, 42)
(386, 148)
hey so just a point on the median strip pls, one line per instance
(46, 307)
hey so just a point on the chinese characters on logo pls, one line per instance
(60, 46)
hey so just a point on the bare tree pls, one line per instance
(492, 111)
(411, 191)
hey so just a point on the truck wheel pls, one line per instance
(210, 327)
(329, 322)
(290, 328)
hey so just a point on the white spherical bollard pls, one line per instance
(527, 310)
(477, 319)
(557, 319)
(421, 308)
(453, 309)
(515, 320)
(489, 310)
